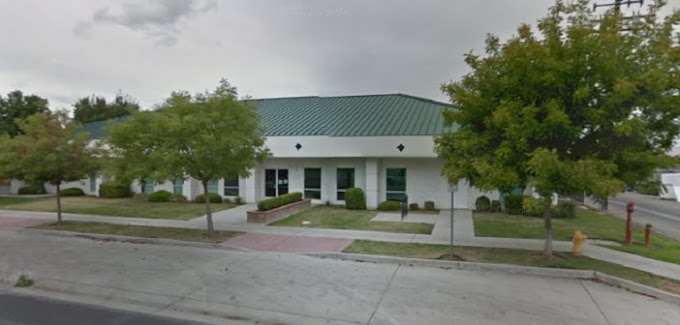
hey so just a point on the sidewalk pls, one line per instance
(463, 236)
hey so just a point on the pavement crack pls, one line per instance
(382, 296)
(595, 302)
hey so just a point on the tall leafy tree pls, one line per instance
(94, 108)
(15, 106)
(50, 147)
(207, 136)
(582, 106)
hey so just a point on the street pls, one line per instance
(284, 288)
(663, 215)
(28, 310)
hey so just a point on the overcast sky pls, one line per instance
(64, 50)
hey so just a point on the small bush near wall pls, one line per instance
(278, 201)
(565, 210)
(413, 206)
(389, 206)
(113, 190)
(72, 191)
(178, 198)
(238, 200)
(32, 189)
(495, 206)
(429, 205)
(532, 206)
(482, 204)
(159, 196)
(355, 199)
(214, 198)
(513, 204)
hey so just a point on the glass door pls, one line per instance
(275, 182)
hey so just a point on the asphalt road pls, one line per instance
(663, 215)
(24, 310)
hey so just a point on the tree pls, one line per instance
(91, 109)
(50, 147)
(17, 106)
(207, 136)
(582, 107)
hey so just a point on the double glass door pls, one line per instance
(275, 182)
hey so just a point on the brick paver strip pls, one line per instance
(284, 243)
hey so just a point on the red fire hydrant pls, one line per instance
(630, 208)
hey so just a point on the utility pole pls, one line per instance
(627, 19)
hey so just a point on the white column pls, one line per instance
(372, 188)
(250, 187)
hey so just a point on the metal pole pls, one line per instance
(452, 206)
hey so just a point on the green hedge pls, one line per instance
(214, 198)
(175, 197)
(159, 196)
(413, 206)
(72, 191)
(483, 204)
(532, 207)
(114, 190)
(565, 210)
(355, 199)
(429, 205)
(495, 206)
(32, 189)
(278, 201)
(389, 206)
(513, 204)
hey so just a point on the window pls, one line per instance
(345, 178)
(313, 183)
(177, 185)
(212, 186)
(275, 182)
(396, 183)
(147, 185)
(231, 186)
(93, 183)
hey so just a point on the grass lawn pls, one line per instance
(594, 224)
(141, 231)
(341, 218)
(126, 207)
(511, 256)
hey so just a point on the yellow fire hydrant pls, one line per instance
(578, 241)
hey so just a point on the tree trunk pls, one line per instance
(547, 219)
(59, 203)
(208, 212)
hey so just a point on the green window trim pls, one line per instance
(178, 186)
(395, 184)
(148, 185)
(313, 183)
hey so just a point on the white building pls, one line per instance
(383, 144)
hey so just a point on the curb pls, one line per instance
(460, 265)
(512, 269)
(127, 239)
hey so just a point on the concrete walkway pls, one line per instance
(463, 235)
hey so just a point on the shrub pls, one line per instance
(178, 198)
(483, 204)
(355, 199)
(429, 205)
(159, 196)
(23, 281)
(278, 201)
(413, 206)
(238, 200)
(649, 187)
(532, 206)
(565, 210)
(513, 204)
(114, 190)
(389, 206)
(32, 189)
(214, 198)
(495, 206)
(72, 191)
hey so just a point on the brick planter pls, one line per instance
(256, 216)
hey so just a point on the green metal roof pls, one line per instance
(343, 116)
